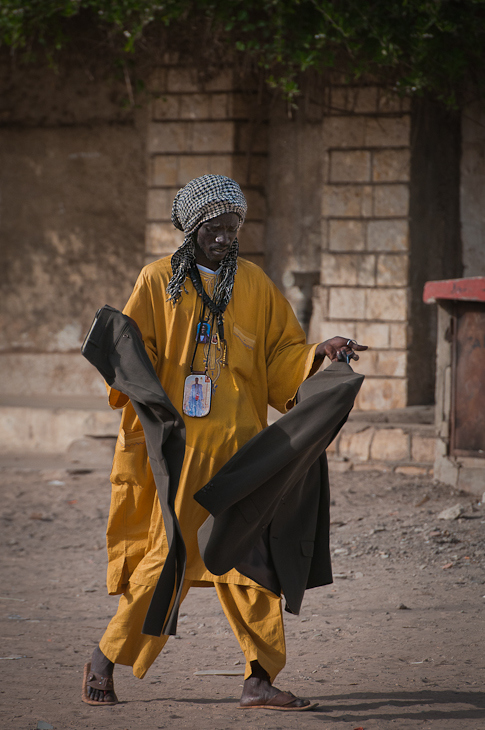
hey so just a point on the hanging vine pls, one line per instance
(414, 46)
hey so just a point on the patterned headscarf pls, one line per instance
(199, 201)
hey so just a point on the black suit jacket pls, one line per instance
(269, 504)
(115, 349)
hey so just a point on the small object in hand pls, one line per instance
(344, 356)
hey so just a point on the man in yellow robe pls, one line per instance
(255, 355)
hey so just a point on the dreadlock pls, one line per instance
(201, 200)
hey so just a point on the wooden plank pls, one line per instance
(470, 290)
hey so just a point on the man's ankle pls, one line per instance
(101, 664)
(258, 672)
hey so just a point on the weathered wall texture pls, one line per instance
(365, 236)
(293, 228)
(199, 128)
(472, 190)
(330, 194)
(72, 217)
(81, 90)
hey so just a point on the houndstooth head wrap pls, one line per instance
(199, 201)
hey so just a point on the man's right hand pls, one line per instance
(338, 345)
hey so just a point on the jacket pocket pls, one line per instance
(242, 351)
(307, 548)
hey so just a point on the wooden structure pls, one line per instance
(460, 381)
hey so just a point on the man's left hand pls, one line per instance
(338, 348)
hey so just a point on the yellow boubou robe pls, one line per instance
(267, 360)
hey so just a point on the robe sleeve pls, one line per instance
(140, 309)
(289, 360)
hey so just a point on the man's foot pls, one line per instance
(259, 693)
(98, 681)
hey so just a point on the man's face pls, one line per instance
(214, 238)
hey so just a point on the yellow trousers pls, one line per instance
(254, 615)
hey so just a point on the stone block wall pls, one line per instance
(72, 220)
(329, 194)
(365, 239)
(197, 128)
(406, 449)
(364, 154)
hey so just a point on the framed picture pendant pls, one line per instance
(197, 395)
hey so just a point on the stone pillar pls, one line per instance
(364, 260)
(198, 128)
(294, 218)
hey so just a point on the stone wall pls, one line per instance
(88, 188)
(405, 448)
(199, 127)
(359, 197)
(293, 229)
(73, 192)
(365, 236)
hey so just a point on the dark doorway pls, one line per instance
(434, 229)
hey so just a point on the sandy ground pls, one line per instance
(395, 642)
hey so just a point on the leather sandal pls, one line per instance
(97, 681)
(285, 701)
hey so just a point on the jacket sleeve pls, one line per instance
(139, 307)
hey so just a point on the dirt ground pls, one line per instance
(395, 642)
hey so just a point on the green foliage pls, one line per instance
(414, 45)
(23, 22)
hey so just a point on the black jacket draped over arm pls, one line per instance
(269, 504)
